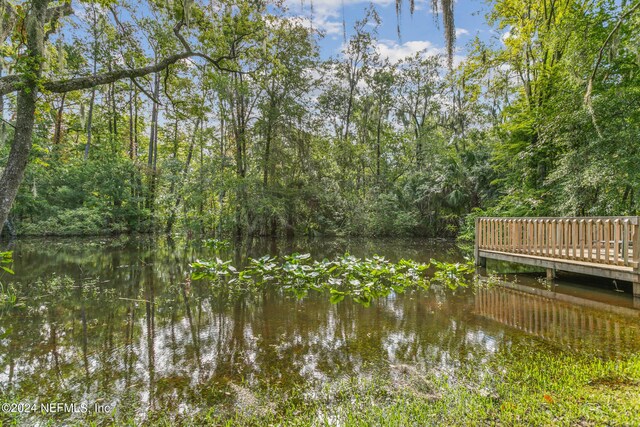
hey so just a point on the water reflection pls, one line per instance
(136, 332)
(562, 320)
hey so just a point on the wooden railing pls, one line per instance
(603, 240)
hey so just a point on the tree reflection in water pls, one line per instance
(162, 342)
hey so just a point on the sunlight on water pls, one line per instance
(128, 328)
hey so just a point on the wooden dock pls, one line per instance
(597, 246)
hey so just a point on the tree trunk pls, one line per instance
(3, 126)
(154, 120)
(185, 172)
(57, 133)
(25, 110)
(153, 144)
(38, 19)
(115, 115)
(378, 143)
(131, 142)
(94, 50)
(89, 125)
(238, 109)
(135, 123)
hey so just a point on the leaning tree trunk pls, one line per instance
(25, 110)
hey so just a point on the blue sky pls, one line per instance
(418, 31)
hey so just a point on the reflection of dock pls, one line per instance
(568, 321)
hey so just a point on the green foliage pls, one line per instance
(556, 150)
(86, 198)
(217, 244)
(451, 275)
(7, 292)
(30, 296)
(363, 280)
(6, 259)
(277, 141)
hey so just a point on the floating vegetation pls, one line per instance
(66, 286)
(216, 244)
(53, 290)
(6, 259)
(363, 280)
(8, 296)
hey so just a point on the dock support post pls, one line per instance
(635, 239)
(636, 258)
(551, 273)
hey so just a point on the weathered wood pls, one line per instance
(607, 227)
(598, 239)
(581, 236)
(601, 246)
(590, 238)
(616, 239)
(476, 252)
(577, 253)
(625, 242)
(551, 273)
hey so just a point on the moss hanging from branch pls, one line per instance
(440, 7)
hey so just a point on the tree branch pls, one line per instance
(54, 14)
(88, 82)
(587, 96)
(143, 90)
(11, 83)
(7, 24)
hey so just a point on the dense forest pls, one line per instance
(223, 118)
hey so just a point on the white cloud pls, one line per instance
(424, 5)
(461, 32)
(327, 14)
(504, 36)
(395, 51)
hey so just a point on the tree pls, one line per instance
(41, 19)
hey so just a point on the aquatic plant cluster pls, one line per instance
(7, 293)
(6, 259)
(217, 244)
(363, 280)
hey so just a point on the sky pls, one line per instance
(418, 32)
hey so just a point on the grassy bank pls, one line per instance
(525, 385)
(529, 388)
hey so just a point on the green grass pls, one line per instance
(521, 386)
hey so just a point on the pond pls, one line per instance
(118, 326)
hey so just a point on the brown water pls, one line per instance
(128, 329)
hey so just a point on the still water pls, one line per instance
(117, 322)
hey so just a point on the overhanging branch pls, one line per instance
(88, 82)
(9, 84)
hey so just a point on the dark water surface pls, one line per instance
(129, 329)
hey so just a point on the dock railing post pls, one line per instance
(480, 262)
(476, 249)
(636, 257)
